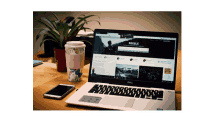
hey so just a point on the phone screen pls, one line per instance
(59, 90)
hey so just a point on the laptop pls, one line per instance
(130, 70)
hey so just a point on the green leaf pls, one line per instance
(77, 27)
(86, 41)
(57, 24)
(52, 23)
(52, 34)
(66, 29)
(76, 31)
(81, 27)
(49, 23)
(60, 27)
(52, 30)
(87, 28)
(77, 24)
(95, 21)
(84, 17)
(41, 32)
(55, 16)
(75, 20)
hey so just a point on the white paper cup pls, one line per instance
(75, 57)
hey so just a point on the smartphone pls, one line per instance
(60, 91)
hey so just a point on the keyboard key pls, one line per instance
(128, 91)
(104, 88)
(106, 92)
(160, 94)
(125, 94)
(111, 93)
(101, 92)
(96, 85)
(137, 95)
(91, 91)
(96, 91)
(101, 88)
(131, 94)
(126, 88)
(114, 93)
(120, 93)
(148, 93)
(113, 90)
(142, 92)
(109, 89)
(142, 96)
(153, 94)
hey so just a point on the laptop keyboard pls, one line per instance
(126, 91)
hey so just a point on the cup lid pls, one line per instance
(74, 44)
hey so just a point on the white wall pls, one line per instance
(143, 21)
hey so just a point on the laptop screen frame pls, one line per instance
(163, 85)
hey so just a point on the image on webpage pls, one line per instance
(124, 71)
(151, 73)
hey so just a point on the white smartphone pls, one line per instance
(59, 91)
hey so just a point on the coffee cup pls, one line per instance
(75, 57)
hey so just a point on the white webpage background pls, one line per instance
(106, 64)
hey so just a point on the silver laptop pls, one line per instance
(130, 70)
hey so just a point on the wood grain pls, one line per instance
(46, 76)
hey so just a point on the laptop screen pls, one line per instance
(134, 58)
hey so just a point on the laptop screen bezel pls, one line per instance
(170, 86)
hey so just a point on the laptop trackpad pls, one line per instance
(117, 101)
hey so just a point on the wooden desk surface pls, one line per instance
(46, 76)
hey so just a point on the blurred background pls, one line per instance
(128, 20)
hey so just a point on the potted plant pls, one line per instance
(61, 31)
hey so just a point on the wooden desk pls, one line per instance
(45, 77)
